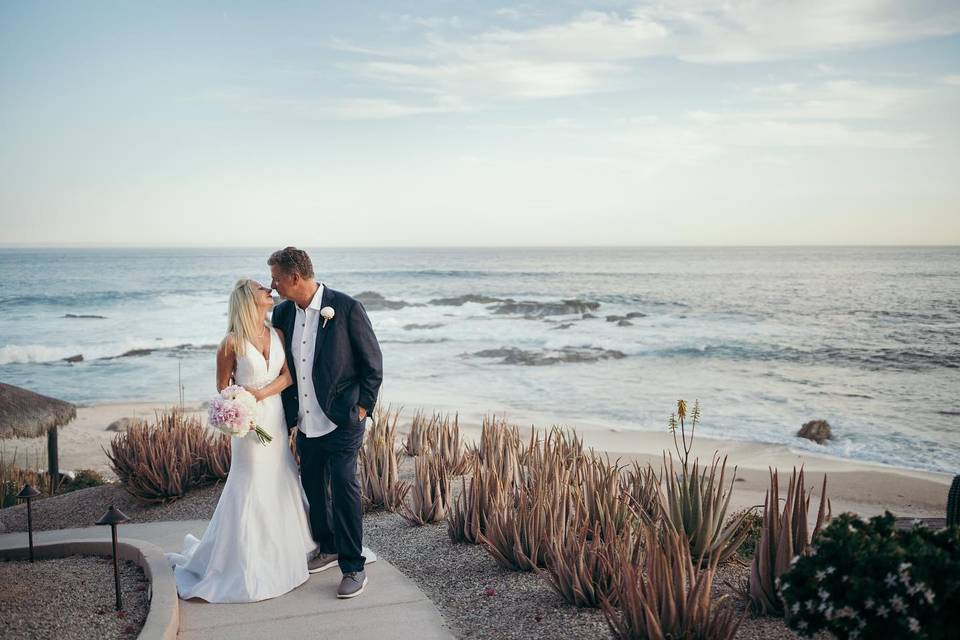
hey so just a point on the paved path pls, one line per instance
(391, 607)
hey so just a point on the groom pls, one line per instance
(337, 369)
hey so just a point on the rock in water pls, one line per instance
(76, 358)
(373, 301)
(816, 430)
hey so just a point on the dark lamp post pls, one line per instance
(28, 493)
(113, 517)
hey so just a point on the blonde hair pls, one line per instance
(243, 321)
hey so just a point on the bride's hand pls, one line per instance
(256, 393)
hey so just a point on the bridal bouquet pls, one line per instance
(232, 412)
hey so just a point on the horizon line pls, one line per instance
(27, 245)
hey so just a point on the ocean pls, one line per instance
(766, 338)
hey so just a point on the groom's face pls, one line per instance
(283, 283)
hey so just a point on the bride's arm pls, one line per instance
(282, 381)
(226, 363)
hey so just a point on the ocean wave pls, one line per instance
(97, 298)
(41, 354)
(874, 359)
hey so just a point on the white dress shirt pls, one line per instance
(311, 419)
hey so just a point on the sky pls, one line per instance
(431, 123)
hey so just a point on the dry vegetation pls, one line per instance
(642, 544)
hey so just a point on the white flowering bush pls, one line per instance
(869, 580)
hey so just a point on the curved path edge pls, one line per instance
(163, 616)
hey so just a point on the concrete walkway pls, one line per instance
(391, 607)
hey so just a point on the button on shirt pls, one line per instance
(311, 420)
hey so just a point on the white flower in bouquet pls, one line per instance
(233, 412)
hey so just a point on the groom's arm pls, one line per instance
(288, 396)
(366, 352)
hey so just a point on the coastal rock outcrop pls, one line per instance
(373, 301)
(544, 357)
(459, 301)
(816, 430)
(531, 309)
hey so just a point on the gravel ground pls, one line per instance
(477, 597)
(84, 507)
(70, 599)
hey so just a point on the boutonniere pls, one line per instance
(327, 314)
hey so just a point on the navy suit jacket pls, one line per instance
(347, 366)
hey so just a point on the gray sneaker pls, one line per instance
(321, 562)
(352, 584)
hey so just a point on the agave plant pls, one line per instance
(430, 493)
(445, 441)
(604, 502)
(380, 484)
(640, 487)
(784, 536)
(467, 517)
(522, 524)
(695, 501)
(695, 504)
(584, 568)
(160, 462)
(420, 430)
(671, 598)
(567, 444)
(499, 450)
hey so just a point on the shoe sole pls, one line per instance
(329, 565)
(355, 593)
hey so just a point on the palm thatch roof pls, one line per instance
(25, 414)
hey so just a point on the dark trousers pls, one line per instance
(328, 471)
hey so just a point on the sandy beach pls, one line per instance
(867, 489)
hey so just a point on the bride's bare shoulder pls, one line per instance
(228, 346)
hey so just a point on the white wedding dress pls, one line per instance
(258, 541)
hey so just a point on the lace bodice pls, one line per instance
(253, 370)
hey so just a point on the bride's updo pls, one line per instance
(243, 321)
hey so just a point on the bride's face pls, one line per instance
(263, 297)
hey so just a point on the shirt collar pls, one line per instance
(317, 302)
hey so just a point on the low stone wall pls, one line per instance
(163, 620)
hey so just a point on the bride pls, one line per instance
(258, 542)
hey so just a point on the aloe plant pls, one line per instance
(695, 504)
(584, 568)
(467, 517)
(380, 484)
(695, 500)
(669, 597)
(784, 536)
(429, 493)
(521, 524)
(161, 461)
(604, 501)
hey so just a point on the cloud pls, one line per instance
(841, 99)
(596, 51)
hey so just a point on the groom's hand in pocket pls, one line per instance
(292, 441)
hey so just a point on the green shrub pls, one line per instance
(751, 524)
(84, 479)
(869, 580)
